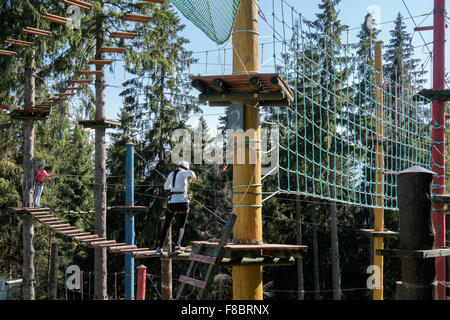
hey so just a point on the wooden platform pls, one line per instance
(380, 234)
(35, 114)
(101, 62)
(434, 95)
(441, 199)
(265, 89)
(82, 81)
(418, 254)
(89, 72)
(105, 123)
(182, 255)
(54, 18)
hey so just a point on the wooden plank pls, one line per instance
(203, 259)
(77, 234)
(7, 53)
(12, 282)
(442, 199)
(136, 18)
(91, 237)
(251, 247)
(67, 232)
(82, 81)
(93, 240)
(42, 215)
(420, 254)
(101, 62)
(80, 4)
(380, 234)
(123, 35)
(193, 282)
(111, 50)
(61, 225)
(89, 72)
(65, 229)
(101, 243)
(47, 220)
(117, 249)
(19, 42)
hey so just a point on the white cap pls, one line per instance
(184, 164)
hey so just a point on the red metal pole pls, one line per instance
(141, 280)
(438, 135)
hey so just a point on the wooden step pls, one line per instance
(43, 215)
(193, 282)
(67, 232)
(101, 243)
(78, 234)
(59, 226)
(203, 259)
(91, 238)
(45, 220)
(65, 229)
(118, 249)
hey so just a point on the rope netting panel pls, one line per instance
(332, 138)
(214, 17)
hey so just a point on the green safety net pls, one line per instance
(329, 138)
(214, 17)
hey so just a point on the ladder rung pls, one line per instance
(193, 282)
(59, 225)
(203, 259)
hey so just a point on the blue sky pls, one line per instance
(352, 13)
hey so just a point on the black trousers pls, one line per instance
(182, 209)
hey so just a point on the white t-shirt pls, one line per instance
(181, 184)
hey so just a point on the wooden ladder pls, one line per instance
(212, 260)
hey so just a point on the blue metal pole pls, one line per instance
(129, 222)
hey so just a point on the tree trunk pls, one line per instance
(336, 272)
(28, 271)
(166, 268)
(53, 272)
(301, 285)
(100, 269)
(315, 255)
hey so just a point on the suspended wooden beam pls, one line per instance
(3, 107)
(155, 1)
(7, 53)
(104, 123)
(72, 88)
(36, 32)
(111, 50)
(123, 35)
(80, 4)
(54, 18)
(81, 81)
(136, 18)
(18, 42)
(65, 94)
(101, 62)
(90, 73)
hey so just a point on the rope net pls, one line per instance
(333, 134)
(214, 17)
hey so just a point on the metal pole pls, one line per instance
(439, 139)
(129, 222)
(378, 242)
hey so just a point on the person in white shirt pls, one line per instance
(177, 182)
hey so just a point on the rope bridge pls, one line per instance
(331, 139)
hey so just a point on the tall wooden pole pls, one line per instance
(100, 267)
(28, 270)
(378, 242)
(414, 202)
(247, 197)
(166, 266)
(53, 289)
(439, 139)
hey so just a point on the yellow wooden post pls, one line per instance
(247, 197)
(378, 242)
